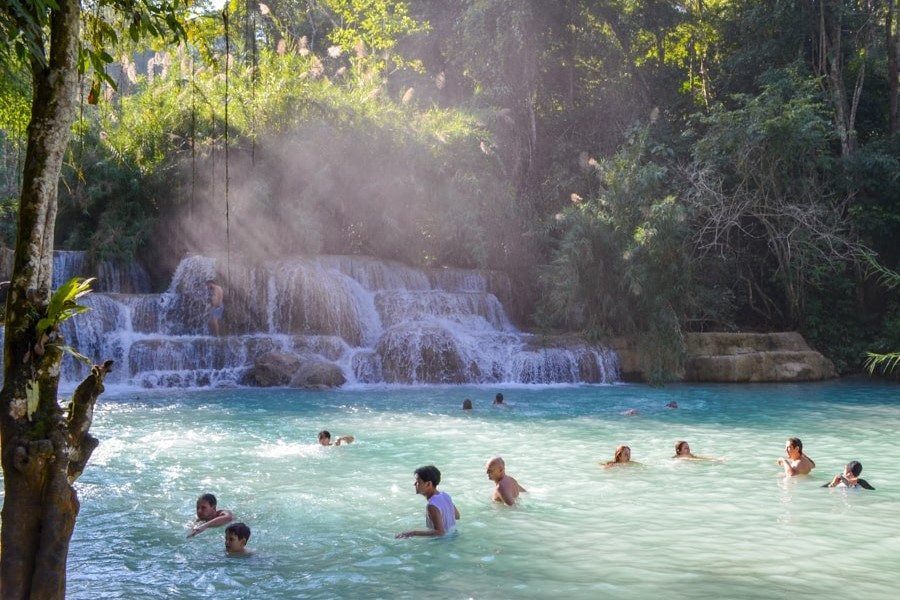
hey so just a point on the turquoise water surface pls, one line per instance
(324, 519)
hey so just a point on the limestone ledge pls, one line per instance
(736, 358)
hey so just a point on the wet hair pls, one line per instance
(498, 398)
(429, 473)
(796, 443)
(617, 457)
(209, 499)
(324, 434)
(467, 404)
(854, 467)
(678, 446)
(238, 529)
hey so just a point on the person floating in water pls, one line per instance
(507, 489)
(216, 306)
(671, 404)
(796, 462)
(325, 439)
(850, 478)
(467, 404)
(683, 450)
(621, 457)
(209, 516)
(440, 512)
(498, 400)
(236, 537)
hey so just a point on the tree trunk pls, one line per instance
(892, 43)
(40, 505)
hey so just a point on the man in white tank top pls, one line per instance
(440, 512)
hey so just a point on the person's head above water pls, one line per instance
(236, 537)
(498, 399)
(325, 437)
(495, 468)
(623, 454)
(427, 474)
(793, 446)
(853, 468)
(206, 507)
(467, 404)
(682, 447)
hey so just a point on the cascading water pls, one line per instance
(376, 321)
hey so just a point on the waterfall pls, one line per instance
(376, 321)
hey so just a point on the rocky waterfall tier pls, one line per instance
(318, 321)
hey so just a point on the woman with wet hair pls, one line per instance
(621, 457)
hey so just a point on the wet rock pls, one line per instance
(273, 369)
(317, 373)
(420, 353)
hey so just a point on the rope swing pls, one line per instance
(227, 208)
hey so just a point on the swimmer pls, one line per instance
(683, 451)
(467, 404)
(672, 404)
(209, 516)
(325, 439)
(236, 537)
(507, 489)
(850, 478)
(498, 400)
(796, 462)
(441, 514)
(621, 457)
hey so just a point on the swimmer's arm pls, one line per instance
(434, 514)
(222, 518)
(344, 439)
(456, 513)
(789, 471)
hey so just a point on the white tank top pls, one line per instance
(444, 503)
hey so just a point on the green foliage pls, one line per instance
(620, 265)
(64, 304)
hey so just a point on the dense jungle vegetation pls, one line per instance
(653, 166)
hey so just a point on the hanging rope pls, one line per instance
(227, 223)
(193, 144)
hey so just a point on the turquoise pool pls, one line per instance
(324, 520)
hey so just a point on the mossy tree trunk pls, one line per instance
(44, 447)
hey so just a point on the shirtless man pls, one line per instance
(325, 439)
(507, 489)
(216, 305)
(796, 462)
(208, 515)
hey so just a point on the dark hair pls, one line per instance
(324, 434)
(429, 473)
(678, 446)
(467, 403)
(854, 467)
(796, 443)
(498, 398)
(240, 530)
(209, 499)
